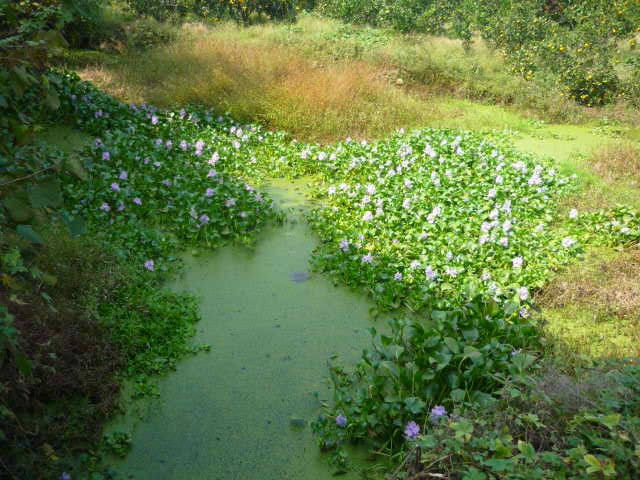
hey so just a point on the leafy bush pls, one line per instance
(453, 356)
(531, 433)
(243, 11)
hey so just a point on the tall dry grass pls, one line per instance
(274, 85)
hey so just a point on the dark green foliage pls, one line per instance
(243, 11)
(532, 432)
(455, 356)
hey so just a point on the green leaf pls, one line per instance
(17, 206)
(471, 334)
(457, 395)
(452, 344)
(23, 364)
(462, 428)
(76, 225)
(594, 464)
(510, 307)
(29, 233)
(52, 100)
(414, 405)
(527, 451)
(46, 194)
(611, 421)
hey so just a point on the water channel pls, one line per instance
(228, 414)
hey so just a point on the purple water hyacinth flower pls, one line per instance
(212, 173)
(105, 207)
(199, 145)
(204, 219)
(504, 241)
(149, 265)
(406, 203)
(98, 113)
(137, 201)
(123, 175)
(259, 197)
(115, 186)
(156, 163)
(523, 293)
(154, 120)
(106, 156)
(414, 264)
(209, 192)
(429, 273)
(230, 202)
(397, 277)
(64, 476)
(248, 187)
(183, 145)
(341, 420)
(567, 242)
(169, 144)
(368, 258)
(344, 245)
(331, 190)
(158, 141)
(438, 411)
(182, 113)
(573, 213)
(214, 158)
(166, 182)
(367, 216)
(411, 429)
(517, 262)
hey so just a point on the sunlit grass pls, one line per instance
(592, 310)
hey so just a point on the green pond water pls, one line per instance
(227, 414)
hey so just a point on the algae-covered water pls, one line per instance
(227, 414)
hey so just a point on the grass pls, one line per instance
(320, 80)
(592, 310)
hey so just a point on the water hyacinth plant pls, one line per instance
(428, 213)
(139, 183)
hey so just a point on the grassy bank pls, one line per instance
(320, 80)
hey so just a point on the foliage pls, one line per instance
(431, 213)
(576, 42)
(454, 356)
(30, 35)
(243, 11)
(171, 170)
(526, 433)
(620, 226)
